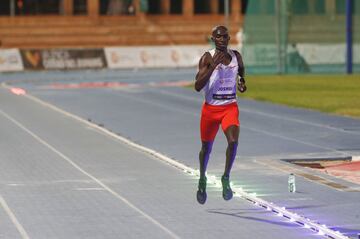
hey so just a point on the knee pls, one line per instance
(232, 145)
(206, 148)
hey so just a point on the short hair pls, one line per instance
(217, 28)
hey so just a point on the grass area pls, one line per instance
(337, 94)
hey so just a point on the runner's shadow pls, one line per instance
(238, 214)
(304, 207)
(301, 192)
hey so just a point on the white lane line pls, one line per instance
(89, 189)
(107, 188)
(251, 197)
(301, 121)
(296, 140)
(265, 114)
(13, 218)
(133, 98)
(138, 99)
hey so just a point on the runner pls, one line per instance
(219, 69)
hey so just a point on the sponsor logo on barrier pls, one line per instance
(144, 56)
(32, 59)
(63, 59)
(175, 56)
(153, 56)
(10, 60)
(122, 57)
(115, 58)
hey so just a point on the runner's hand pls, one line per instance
(218, 58)
(242, 88)
(241, 85)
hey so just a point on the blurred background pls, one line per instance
(275, 36)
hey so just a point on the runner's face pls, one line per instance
(221, 38)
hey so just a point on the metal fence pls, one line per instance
(301, 36)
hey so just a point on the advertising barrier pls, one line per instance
(303, 57)
(10, 60)
(154, 56)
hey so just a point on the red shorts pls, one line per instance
(213, 115)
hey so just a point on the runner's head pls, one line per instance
(220, 36)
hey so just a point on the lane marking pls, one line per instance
(269, 115)
(85, 85)
(89, 189)
(112, 84)
(18, 91)
(238, 191)
(13, 218)
(103, 185)
(247, 127)
(242, 125)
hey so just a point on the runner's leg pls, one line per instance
(204, 156)
(208, 129)
(230, 125)
(232, 135)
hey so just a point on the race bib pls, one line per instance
(225, 86)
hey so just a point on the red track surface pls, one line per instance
(88, 85)
(347, 171)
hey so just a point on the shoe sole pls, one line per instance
(228, 197)
(201, 198)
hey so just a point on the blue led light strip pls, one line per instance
(322, 230)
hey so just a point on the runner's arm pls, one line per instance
(241, 72)
(206, 68)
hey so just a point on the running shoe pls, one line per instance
(227, 192)
(201, 193)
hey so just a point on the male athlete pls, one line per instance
(219, 71)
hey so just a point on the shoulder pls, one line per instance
(206, 57)
(237, 54)
(212, 52)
